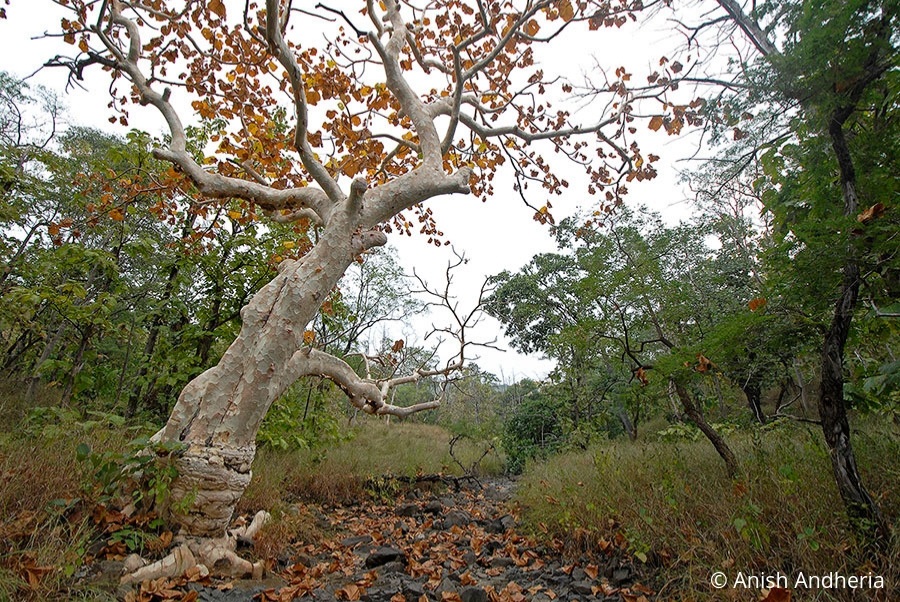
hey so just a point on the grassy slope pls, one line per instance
(678, 510)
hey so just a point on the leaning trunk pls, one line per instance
(219, 413)
(693, 412)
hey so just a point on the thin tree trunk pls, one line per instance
(801, 384)
(693, 412)
(77, 364)
(861, 508)
(137, 393)
(627, 424)
(45, 355)
(125, 363)
(753, 393)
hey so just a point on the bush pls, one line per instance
(533, 431)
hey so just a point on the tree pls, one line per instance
(624, 298)
(400, 147)
(814, 105)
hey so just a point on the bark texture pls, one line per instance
(861, 508)
(693, 412)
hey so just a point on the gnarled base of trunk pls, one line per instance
(211, 479)
(214, 556)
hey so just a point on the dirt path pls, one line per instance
(433, 546)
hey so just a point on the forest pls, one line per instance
(218, 381)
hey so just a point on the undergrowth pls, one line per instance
(340, 474)
(683, 519)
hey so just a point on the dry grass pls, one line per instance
(676, 508)
(291, 526)
(339, 474)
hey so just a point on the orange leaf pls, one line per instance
(703, 363)
(218, 7)
(309, 337)
(532, 28)
(349, 592)
(398, 345)
(777, 594)
(655, 123)
(873, 212)
(757, 303)
(566, 11)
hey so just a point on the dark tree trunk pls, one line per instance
(77, 363)
(627, 424)
(861, 508)
(45, 355)
(138, 392)
(753, 393)
(693, 412)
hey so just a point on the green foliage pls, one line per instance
(142, 472)
(534, 430)
(306, 417)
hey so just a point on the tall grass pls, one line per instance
(676, 510)
(46, 531)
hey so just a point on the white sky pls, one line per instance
(494, 236)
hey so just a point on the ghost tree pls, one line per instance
(394, 103)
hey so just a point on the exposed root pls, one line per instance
(214, 556)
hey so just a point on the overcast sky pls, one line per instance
(494, 236)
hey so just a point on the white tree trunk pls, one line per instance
(219, 413)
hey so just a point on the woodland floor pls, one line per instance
(422, 545)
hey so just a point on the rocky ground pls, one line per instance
(428, 546)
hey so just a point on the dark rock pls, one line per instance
(470, 558)
(446, 585)
(401, 526)
(413, 590)
(240, 592)
(380, 593)
(501, 525)
(578, 574)
(491, 547)
(352, 542)
(433, 507)
(621, 575)
(407, 510)
(383, 555)
(583, 588)
(395, 566)
(457, 518)
(473, 594)
(501, 562)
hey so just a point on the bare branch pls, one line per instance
(279, 47)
